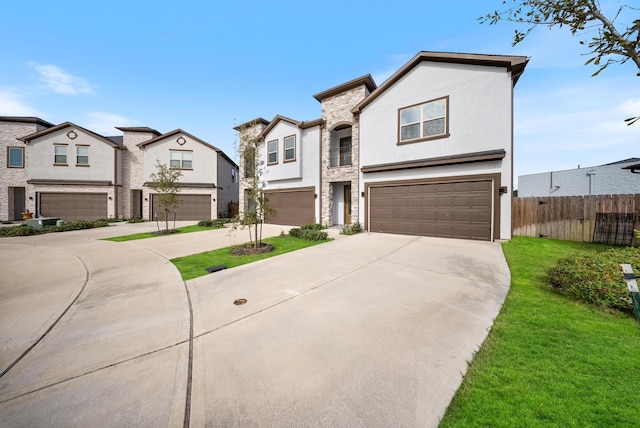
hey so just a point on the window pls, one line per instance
(60, 157)
(249, 163)
(181, 159)
(345, 151)
(15, 157)
(272, 152)
(233, 176)
(424, 121)
(290, 148)
(82, 155)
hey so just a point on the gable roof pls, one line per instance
(365, 80)
(138, 129)
(26, 119)
(64, 125)
(274, 122)
(514, 64)
(180, 131)
(251, 123)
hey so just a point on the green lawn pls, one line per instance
(194, 266)
(550, 361)
(184, 229)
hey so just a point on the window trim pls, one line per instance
(66, 154)
(9, 157)
(84, 165)
(181, 167)
(446, 133)
(269, 152)
(284, 148)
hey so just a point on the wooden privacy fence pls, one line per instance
(575, 218)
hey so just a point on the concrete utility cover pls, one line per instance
(372, 330)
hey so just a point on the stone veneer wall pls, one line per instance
(249, 132)
(14, 177)
(337, 110)
(133, 172)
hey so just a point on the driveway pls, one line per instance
(371, 330)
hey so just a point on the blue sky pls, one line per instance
(205, 66)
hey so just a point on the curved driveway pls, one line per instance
(369, 330)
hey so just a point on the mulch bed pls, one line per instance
(245, 250)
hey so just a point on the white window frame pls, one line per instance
(79, 155)
(424, 119)
(180, 159)
(290, 139)
(58, 154)
(273, 152)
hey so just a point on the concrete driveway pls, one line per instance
(370, 330)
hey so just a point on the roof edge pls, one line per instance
(365, 80)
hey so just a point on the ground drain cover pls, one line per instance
(240, 302)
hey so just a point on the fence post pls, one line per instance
(632, 285)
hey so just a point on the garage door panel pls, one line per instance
(296, 207)
(74, 206)
(190, 207)
(456, 209)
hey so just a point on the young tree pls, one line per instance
(608, 42)
(165, 181)
(256, 204)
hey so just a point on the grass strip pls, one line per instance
(146, 235)
(194, 266)
(550, 361)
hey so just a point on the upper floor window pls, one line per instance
(424, 121)
(234, 176)
(290, 148)
(82, 155)
(60, 154)
(272, 152)
(181, 159)
(15, 157)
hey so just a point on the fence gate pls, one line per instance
(614, 228)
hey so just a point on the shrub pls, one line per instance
(136, 220)
(351, 229)
(20, 230)
(313, 226)
(308, 234)
(217, 223)
(596, 278)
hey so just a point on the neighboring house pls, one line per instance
(610, 179)
(429, 152)
(73, 173)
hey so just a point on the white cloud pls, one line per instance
(11, 104)
(105, 123)
(61, 82)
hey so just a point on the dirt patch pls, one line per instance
(246, 250)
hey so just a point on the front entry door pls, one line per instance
(347, 204)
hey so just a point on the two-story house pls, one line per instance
(428, 152)
(70, 172)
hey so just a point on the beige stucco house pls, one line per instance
(428, 152)
(70, 172)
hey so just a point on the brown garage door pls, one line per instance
(293, 207)
(190, 207)
(74, 206)
(450, 210)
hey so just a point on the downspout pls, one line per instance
(115, 182)
(590, 174)
(320, 181)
